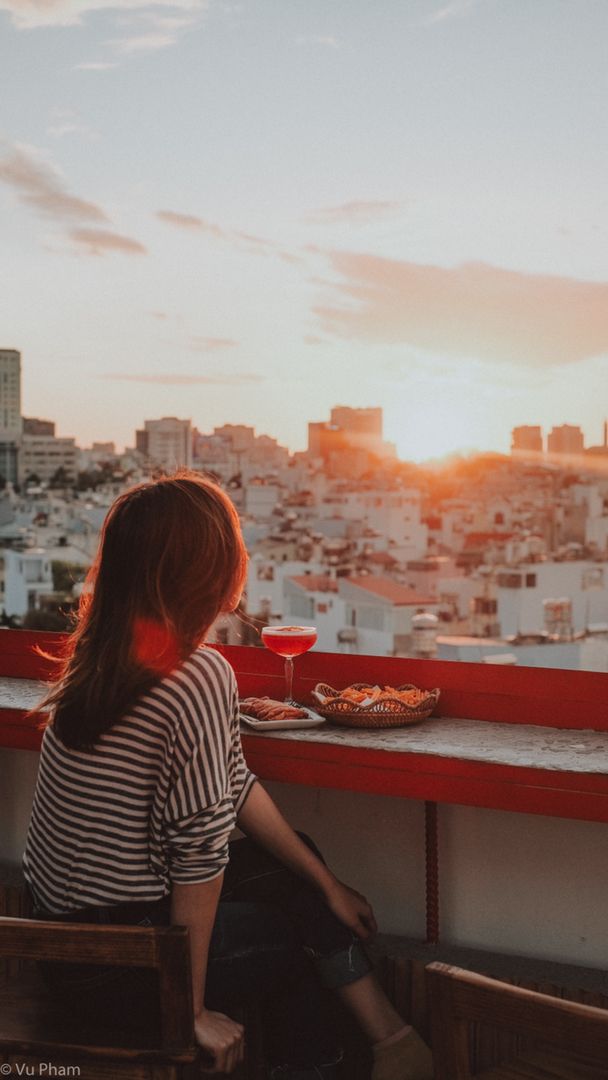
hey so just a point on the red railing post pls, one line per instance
(432, 873)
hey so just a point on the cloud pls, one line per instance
(455, 10)
(326, 40)
(172, 379)
(29, 14)
(473, 310)
(210, 344)
(255, 244)
(95, 65)
(66, 122)
(41, 186)
(182, 221)
(313, 339)
(353, 213)
(100, 241)
(151, 42)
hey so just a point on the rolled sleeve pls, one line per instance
(197, 846)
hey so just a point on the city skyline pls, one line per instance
(246, 213)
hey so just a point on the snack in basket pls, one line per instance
(265, 708)
(371, 695)
(363, 705)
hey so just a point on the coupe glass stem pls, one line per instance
(288, 678)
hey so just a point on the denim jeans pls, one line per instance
(274, 942)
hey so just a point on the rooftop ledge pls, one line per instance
(519, 739)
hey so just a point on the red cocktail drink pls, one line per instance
(289, 641)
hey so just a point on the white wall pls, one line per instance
(514, 883)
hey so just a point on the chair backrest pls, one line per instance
(164, 949)
(460, 998)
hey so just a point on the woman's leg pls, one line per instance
(337, 955)
(255, 957)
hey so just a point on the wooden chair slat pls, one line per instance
(576, 1035)
(131, 946)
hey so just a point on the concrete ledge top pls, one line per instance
(523, 745)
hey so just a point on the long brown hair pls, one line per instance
(171, 557)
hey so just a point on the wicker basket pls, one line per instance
(390, 712)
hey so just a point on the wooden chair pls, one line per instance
(572, 1038)
(35, 1028)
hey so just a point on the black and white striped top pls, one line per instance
(153, 803)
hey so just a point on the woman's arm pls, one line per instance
(262, 820)
(195, 906)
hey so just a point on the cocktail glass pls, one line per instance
(289, 642)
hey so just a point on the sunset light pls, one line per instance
(233, 212)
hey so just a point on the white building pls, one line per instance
(261, 500)
(395, 515)
(44, 455)
(379, 612)
(24, 577)
(265, 578)
(521, 592)
(313, 600)
(169, 442)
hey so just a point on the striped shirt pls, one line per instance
(153, 803)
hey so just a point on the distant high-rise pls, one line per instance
(10, 393)
(357, 421)
(33, 426)
(566, 439)
(349, 430)
(10, 413)
(168, 442)
(527, 439)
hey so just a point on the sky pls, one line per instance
(248, 212)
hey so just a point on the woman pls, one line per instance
(142, 779)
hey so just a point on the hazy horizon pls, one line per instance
(252, 212)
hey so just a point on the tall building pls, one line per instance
(167, 442)
(10, 413)
(566, 439)
(357, 421)
(47, 458)
(349, 430)
(527, 439)
(33, 426)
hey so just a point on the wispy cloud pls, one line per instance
(101, 241)
(457, 9)
(256, 244)
(41, 186)
(353, 213)
(95, 65)
(183, 221)
(170, 378)
(28, 14)
(212, 344)
(66, 122)
(473, 310)
(326, 40)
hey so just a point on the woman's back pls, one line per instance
(153, 802)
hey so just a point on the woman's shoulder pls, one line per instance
(206, 658)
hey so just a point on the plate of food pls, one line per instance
(367, 705)
(267, 714)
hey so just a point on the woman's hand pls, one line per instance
(352, 909)
(221, 1037)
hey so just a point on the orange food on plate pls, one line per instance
(265, 708)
